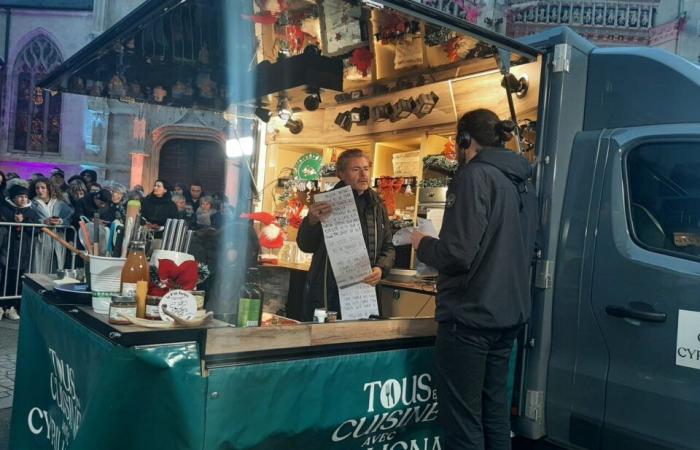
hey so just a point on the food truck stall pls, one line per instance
(298, 82)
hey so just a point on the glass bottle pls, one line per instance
(135, 269)
(250, 301)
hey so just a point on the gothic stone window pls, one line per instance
(36, 123)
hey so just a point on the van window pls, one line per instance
(663, 183)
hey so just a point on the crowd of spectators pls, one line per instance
(56, 201)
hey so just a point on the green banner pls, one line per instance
(372, 401)
(75, 390)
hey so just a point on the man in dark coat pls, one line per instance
(483, 256)
(321, 289)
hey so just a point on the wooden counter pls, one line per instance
(219, 338)
(236, 340)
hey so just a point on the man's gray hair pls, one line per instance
(177, 197)
(347, 155)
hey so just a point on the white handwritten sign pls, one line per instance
(343, 235)
(347, 252)
(358, 301)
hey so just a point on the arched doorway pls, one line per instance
(188, 160)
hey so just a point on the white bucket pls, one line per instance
(105, 280)
(177, 257)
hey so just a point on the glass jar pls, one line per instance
(152, 312)
(122, 306)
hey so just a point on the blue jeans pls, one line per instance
(472, 367)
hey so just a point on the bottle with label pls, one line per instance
(250, 301)
(135, 269)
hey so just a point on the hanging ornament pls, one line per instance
(388, 187)
(293, 213)
(455, 48)
(295, 38)
(449, 151)
(362, 59)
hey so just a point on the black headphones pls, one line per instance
(464, 140)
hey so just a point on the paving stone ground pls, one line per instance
(8, 359)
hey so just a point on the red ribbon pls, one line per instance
(173, 276)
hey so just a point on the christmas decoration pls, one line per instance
(362, 59)
(439, 163)
(170, 276)
(388, 187)
(293, 213)
(271, 235)
(435, 182)
(449, 151)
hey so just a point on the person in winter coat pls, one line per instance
(89, 177)
(182, 212)
(321, 290)
(483, 256)
(16, 240)
(3, 184)
(114, 209)
(158, 207)
(58, 179)
(207, 215)
(48, 204)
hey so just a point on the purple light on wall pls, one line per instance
(25, 169)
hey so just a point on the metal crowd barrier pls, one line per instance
(24, 248)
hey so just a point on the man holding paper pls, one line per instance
(322, 289)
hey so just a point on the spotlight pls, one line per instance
(283, 111)
(518, 86)
(404, 107)
(425, 104)
(344, 121)
(360, 115)
(383, 112)
(313, 100)
(294, 126)
(263, 114)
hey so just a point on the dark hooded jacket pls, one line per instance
(158, 209)
(20, 238)
(486, 243)
(321, 288)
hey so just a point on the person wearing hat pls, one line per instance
(16, 209)
(58, 179)
(89, 177)
(115, 207)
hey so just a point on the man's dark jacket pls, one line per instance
(486, 243)
(321, 288)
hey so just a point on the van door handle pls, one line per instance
(640, 311)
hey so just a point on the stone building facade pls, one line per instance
(673, 25)
(121, 141)
(126, 142)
